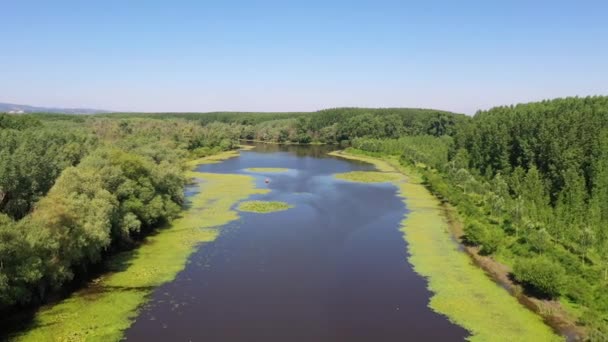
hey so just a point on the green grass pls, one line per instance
(267, 169)
(369, 176)
(461, 290)
(217, 158)
(263, 206)
(103, 310)
(380, 165)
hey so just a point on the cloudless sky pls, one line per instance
(300, 55)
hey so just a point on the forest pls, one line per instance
(529, 181)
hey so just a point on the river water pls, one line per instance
(332, 268)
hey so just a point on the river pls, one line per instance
(332, 268)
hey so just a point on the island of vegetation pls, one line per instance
(263, 207)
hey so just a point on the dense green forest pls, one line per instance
(530, 182)
(328, 126)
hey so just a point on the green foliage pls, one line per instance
(554, 136)
(18, 122)
(20, 263)
(474, 233)
(423, 149)
(30, 161)
(539, 240)
(107, 199)
(488, 238)
(540, 275)
(241, 118)
(73, 190)
(579, 290)
(333, 126)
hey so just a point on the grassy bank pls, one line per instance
(461, 290)
(369, 176)
(263, 207)
(103, 310)
(217, 158)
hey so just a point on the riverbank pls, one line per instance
(552, 311)
(461, 290)
(107, 306)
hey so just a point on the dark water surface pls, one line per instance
(333, 268)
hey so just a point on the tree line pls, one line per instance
(329, 126)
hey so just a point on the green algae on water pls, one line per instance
(461, 290)
(106, 308)
(267, 169)
(369, 176)
(263, 207)
(213, 159)
(380, 165)
(218, 157)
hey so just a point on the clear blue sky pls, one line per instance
(304, 55)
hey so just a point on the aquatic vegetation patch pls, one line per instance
(218, 157)
(369, 176)
(461, 290)
(263, 206)
(380, 165)
(104, 310)
(267, 169)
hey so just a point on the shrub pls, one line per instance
(226, 144)
(474, 233)
(540, 275)
(492, 241)
(304, 138)
(487, 238)
(578, 290)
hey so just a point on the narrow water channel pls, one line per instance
(332, 268)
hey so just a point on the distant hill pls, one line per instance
(22, 109)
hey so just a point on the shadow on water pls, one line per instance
(333, 268)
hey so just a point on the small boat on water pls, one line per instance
(267, 181)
